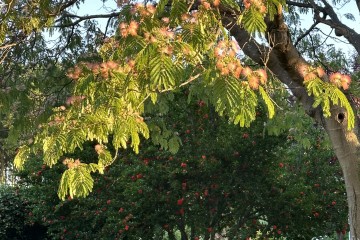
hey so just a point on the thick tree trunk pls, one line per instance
(346, 146)
(285, 62)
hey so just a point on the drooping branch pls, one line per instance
(286, 65)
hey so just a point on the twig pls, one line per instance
(312, 27)
(8, 45)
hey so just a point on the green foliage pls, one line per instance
(231, 4)
(238, 100)
(21, 157)
(273, 7)
(109, 97)
(326, 94)
(114, 92)
(77, 181)
(178, 7)
(269, 104)
(105, 158)
(254, 21)
(162, 73)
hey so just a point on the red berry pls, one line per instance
(180, 201)
(201, 103)
(281, 165)
(108, 201)
(206, 192)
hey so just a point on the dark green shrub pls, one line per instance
(12, 213)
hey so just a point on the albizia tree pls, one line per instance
(118, 76)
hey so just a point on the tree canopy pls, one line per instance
(114, 87)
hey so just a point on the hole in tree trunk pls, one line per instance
(340, 117)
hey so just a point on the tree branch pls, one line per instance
(298, 4)
(334, 22)
(306, 33)
(83, 18)
(7, 46)
(68, 4)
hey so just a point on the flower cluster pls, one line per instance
(129, 29)
(190, 17)
(205, 4)
(340, 80)
(71, 163)
(255, 78)
(311, 74)
(228, 64)
(226, 61)
(99, 148)
(74, 99)
(258, 4)
(96, 68)
(143, 10)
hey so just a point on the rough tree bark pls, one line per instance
(286, 63)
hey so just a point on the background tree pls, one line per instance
(157, 49)
(223, 180)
